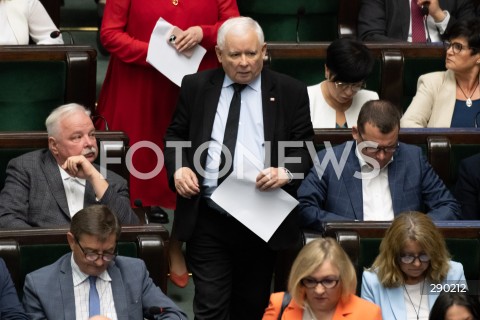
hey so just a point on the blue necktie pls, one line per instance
(93, 299)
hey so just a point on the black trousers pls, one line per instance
(232, 268)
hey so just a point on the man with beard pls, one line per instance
(47, 187)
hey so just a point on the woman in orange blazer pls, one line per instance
(322, 284)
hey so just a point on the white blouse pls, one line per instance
(324, 116)
(20, 19)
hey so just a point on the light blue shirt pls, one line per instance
(250, 146)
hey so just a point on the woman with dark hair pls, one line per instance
(450, 98)
(413, 258)
(455, 306)
(322, 285)
(336, 102)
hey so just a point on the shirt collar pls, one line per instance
(256, 84)
(79, 277)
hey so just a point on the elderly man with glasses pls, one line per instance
(374, 177)
(92, 280)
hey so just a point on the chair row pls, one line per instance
(37, 79)
(394, 76)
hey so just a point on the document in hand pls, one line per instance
(166, 59)
(260, 211)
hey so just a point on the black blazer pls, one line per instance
(286, 117)
(389, 20)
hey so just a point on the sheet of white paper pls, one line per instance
(260, 211)
(166, 59)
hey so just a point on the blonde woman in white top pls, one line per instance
(336, 102)
(21, 19)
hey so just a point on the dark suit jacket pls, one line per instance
(34, 196)
(467, 190)
(414, 185)
(10, 306)
(389, 20)
(48, 292)
(286, 117)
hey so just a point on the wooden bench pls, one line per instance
(27, 250)
(395, 74)
(361, 241)
(36, 79)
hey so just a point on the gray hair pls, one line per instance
(238, 26)
(58, 114)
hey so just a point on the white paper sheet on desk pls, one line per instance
(260, 211)
(166, 59)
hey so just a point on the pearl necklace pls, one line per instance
(469, 99)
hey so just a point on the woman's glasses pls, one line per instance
(408, 259)
(457, 47)
(313, 283)
(355, 87)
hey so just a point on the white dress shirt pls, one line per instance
(74, 190)
(81, 289)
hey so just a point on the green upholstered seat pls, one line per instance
(30, 90)
(278, 19)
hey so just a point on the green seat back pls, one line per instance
(278, 19)
(413, 69)
(34, 257)
(312, 71)
(30, 90)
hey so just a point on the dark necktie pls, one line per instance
(93, 299)
(418, 27)
(231, 128)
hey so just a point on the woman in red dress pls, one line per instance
(135, 97)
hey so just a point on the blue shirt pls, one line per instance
(250, 139)
(464, 116)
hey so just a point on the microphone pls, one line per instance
(55, 34)
(300, 13)
(94, 117)
(425, 11)
(138, 203)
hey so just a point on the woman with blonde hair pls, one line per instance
(322, 285)
(413, 258)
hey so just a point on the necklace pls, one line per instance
(469, 99)
(420, 304)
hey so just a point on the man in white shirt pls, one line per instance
(47, 187)
(374, 177)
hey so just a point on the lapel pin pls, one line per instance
(272, 99)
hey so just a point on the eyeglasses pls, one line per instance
(311, 283)
(457, 47)
(408, 259)
(93, 256)
(388, 149)
(355, 87)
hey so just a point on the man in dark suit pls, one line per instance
(46, 188)
(93, 280)
(10, 306)
(467, 189)
(231, 266)
(374, 177)
(390, 20)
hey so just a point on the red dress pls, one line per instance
(135, 97)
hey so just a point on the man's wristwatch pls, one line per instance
(289, 174)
